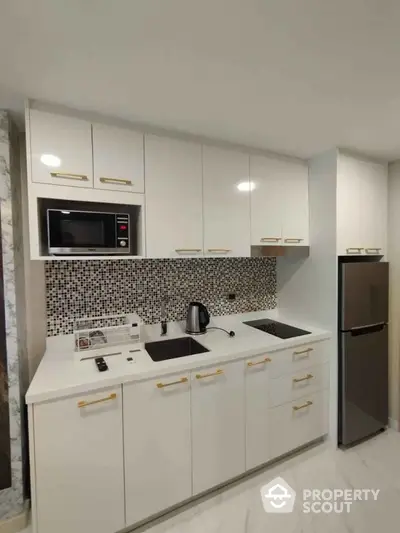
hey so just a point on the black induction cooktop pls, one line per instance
(278, 329)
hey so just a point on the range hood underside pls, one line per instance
(279, 251)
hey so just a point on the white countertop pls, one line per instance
(61, 373)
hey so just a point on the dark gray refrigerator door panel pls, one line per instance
(364, 384)
(365, 296)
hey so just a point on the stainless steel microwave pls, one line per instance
(87, 233)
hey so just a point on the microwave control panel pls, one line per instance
(122, 231)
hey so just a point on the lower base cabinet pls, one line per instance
(78, 463)
(218, 427)
(128, 452)
(157, 445)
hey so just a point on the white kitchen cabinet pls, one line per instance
(279, 202)
(79, 467)
(362, 198)
(118, 159)
(218, 425)
(295, 212)
(265, 201)
(158, 471)
(226, 203)
(257, 401)
(374, 208)
(60, 149)
(174, 198)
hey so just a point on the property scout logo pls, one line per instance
(279, 497)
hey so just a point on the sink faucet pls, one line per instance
(164, 326)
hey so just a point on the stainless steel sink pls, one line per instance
(173, 348)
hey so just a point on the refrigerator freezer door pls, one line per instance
(364, 294)
(363, 384)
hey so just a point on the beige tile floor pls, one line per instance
(238, 509)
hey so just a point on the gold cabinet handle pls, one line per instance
(293, 240)
(219, 250)
(305, 352)
(372, 250)
(118, 181)
(217, 373)
(187, 250)
(354, 250)
(303, 406)
(163, 385)
(112, 396)
(270, 239)
(305, 378)
(266, 360)
(69, 176)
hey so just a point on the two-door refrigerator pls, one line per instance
(363, 350)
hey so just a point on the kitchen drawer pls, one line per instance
(297, 423)
(294, 386)
(297, 359)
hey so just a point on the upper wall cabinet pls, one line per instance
(118, 159)
(226, 201)
(362, 198)
(279, 202)
(174, 203)
(61, 150)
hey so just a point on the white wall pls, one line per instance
(307, 287)
(394, 294)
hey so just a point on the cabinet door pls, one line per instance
(118, 159)
(79, 469)
(266, 201)
(174, 204)
(373, 207)
(349, 241)
(257, 401)
(158, 470)
(226, 208)
(295, 214)
(218, 437)
(61, 150)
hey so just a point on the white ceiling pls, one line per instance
(292, 76)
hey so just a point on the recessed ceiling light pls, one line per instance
(246, 186)
(50, 160)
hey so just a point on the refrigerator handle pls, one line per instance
(367, 326)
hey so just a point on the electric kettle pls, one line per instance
(197, 318)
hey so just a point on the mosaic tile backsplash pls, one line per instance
(79, 289)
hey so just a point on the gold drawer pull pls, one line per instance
(293, 240)
(354, 250)
(119, 181)
(266, 360)
(216, 373)
(69, 176)
(187, 250)
(304, 406)
(270, 239)
(305, 378)
(372, 250)
(219, 250)
(305, 352)
(163, 385)
(112, 396)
